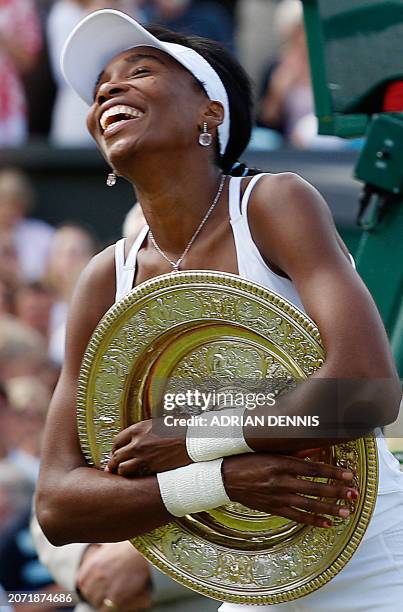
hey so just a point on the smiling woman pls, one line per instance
(172, 114)
(139, 64)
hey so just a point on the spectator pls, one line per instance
(20, 43)
(31, 237)
(69, 128)
(207, 19)
(72, 248)
(287, 93)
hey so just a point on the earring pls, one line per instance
(205, 138)
(111, 179)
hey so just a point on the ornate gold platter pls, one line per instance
(208, 325)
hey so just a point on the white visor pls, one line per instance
(102, 35)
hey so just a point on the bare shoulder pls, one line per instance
(100, 270)
(287, 193)
(285, 213)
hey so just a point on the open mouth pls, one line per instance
(117, 114)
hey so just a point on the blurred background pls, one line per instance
(56, 213)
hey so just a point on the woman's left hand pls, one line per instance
(140, 451)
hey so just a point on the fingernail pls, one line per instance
(352, 494)
(347, 475)
(106, 469)
(327, 524)
(344, 512)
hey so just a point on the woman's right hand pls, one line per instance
(275, 484)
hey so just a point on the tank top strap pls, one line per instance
(248, 191)
(234, 196)
(130, 263)
(125, 270)
(119, 261)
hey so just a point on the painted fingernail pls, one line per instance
(352, 494)
(327, 524)
(347, 475)
(344, 512)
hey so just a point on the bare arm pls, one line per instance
(358, 386)
(98, 507)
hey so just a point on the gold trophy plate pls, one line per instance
(209, 324)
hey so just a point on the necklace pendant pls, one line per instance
(175, 265)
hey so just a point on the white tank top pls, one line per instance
(389, 507)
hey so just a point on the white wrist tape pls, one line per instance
(193, 488)
(217, 434)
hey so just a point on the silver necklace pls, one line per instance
(175, 264)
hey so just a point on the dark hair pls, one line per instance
(238, 88)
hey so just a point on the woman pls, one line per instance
(172, 115)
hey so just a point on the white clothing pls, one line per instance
(372, 581)
(378, 560)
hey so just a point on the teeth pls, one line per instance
(115, 111)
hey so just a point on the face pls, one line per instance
(145, 102)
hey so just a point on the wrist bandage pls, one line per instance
(218, 434)
(193, 488)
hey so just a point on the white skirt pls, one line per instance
(371, 581)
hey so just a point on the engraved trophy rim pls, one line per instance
(99, 418)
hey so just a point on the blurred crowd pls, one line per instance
(266, 35)
(39, 268)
